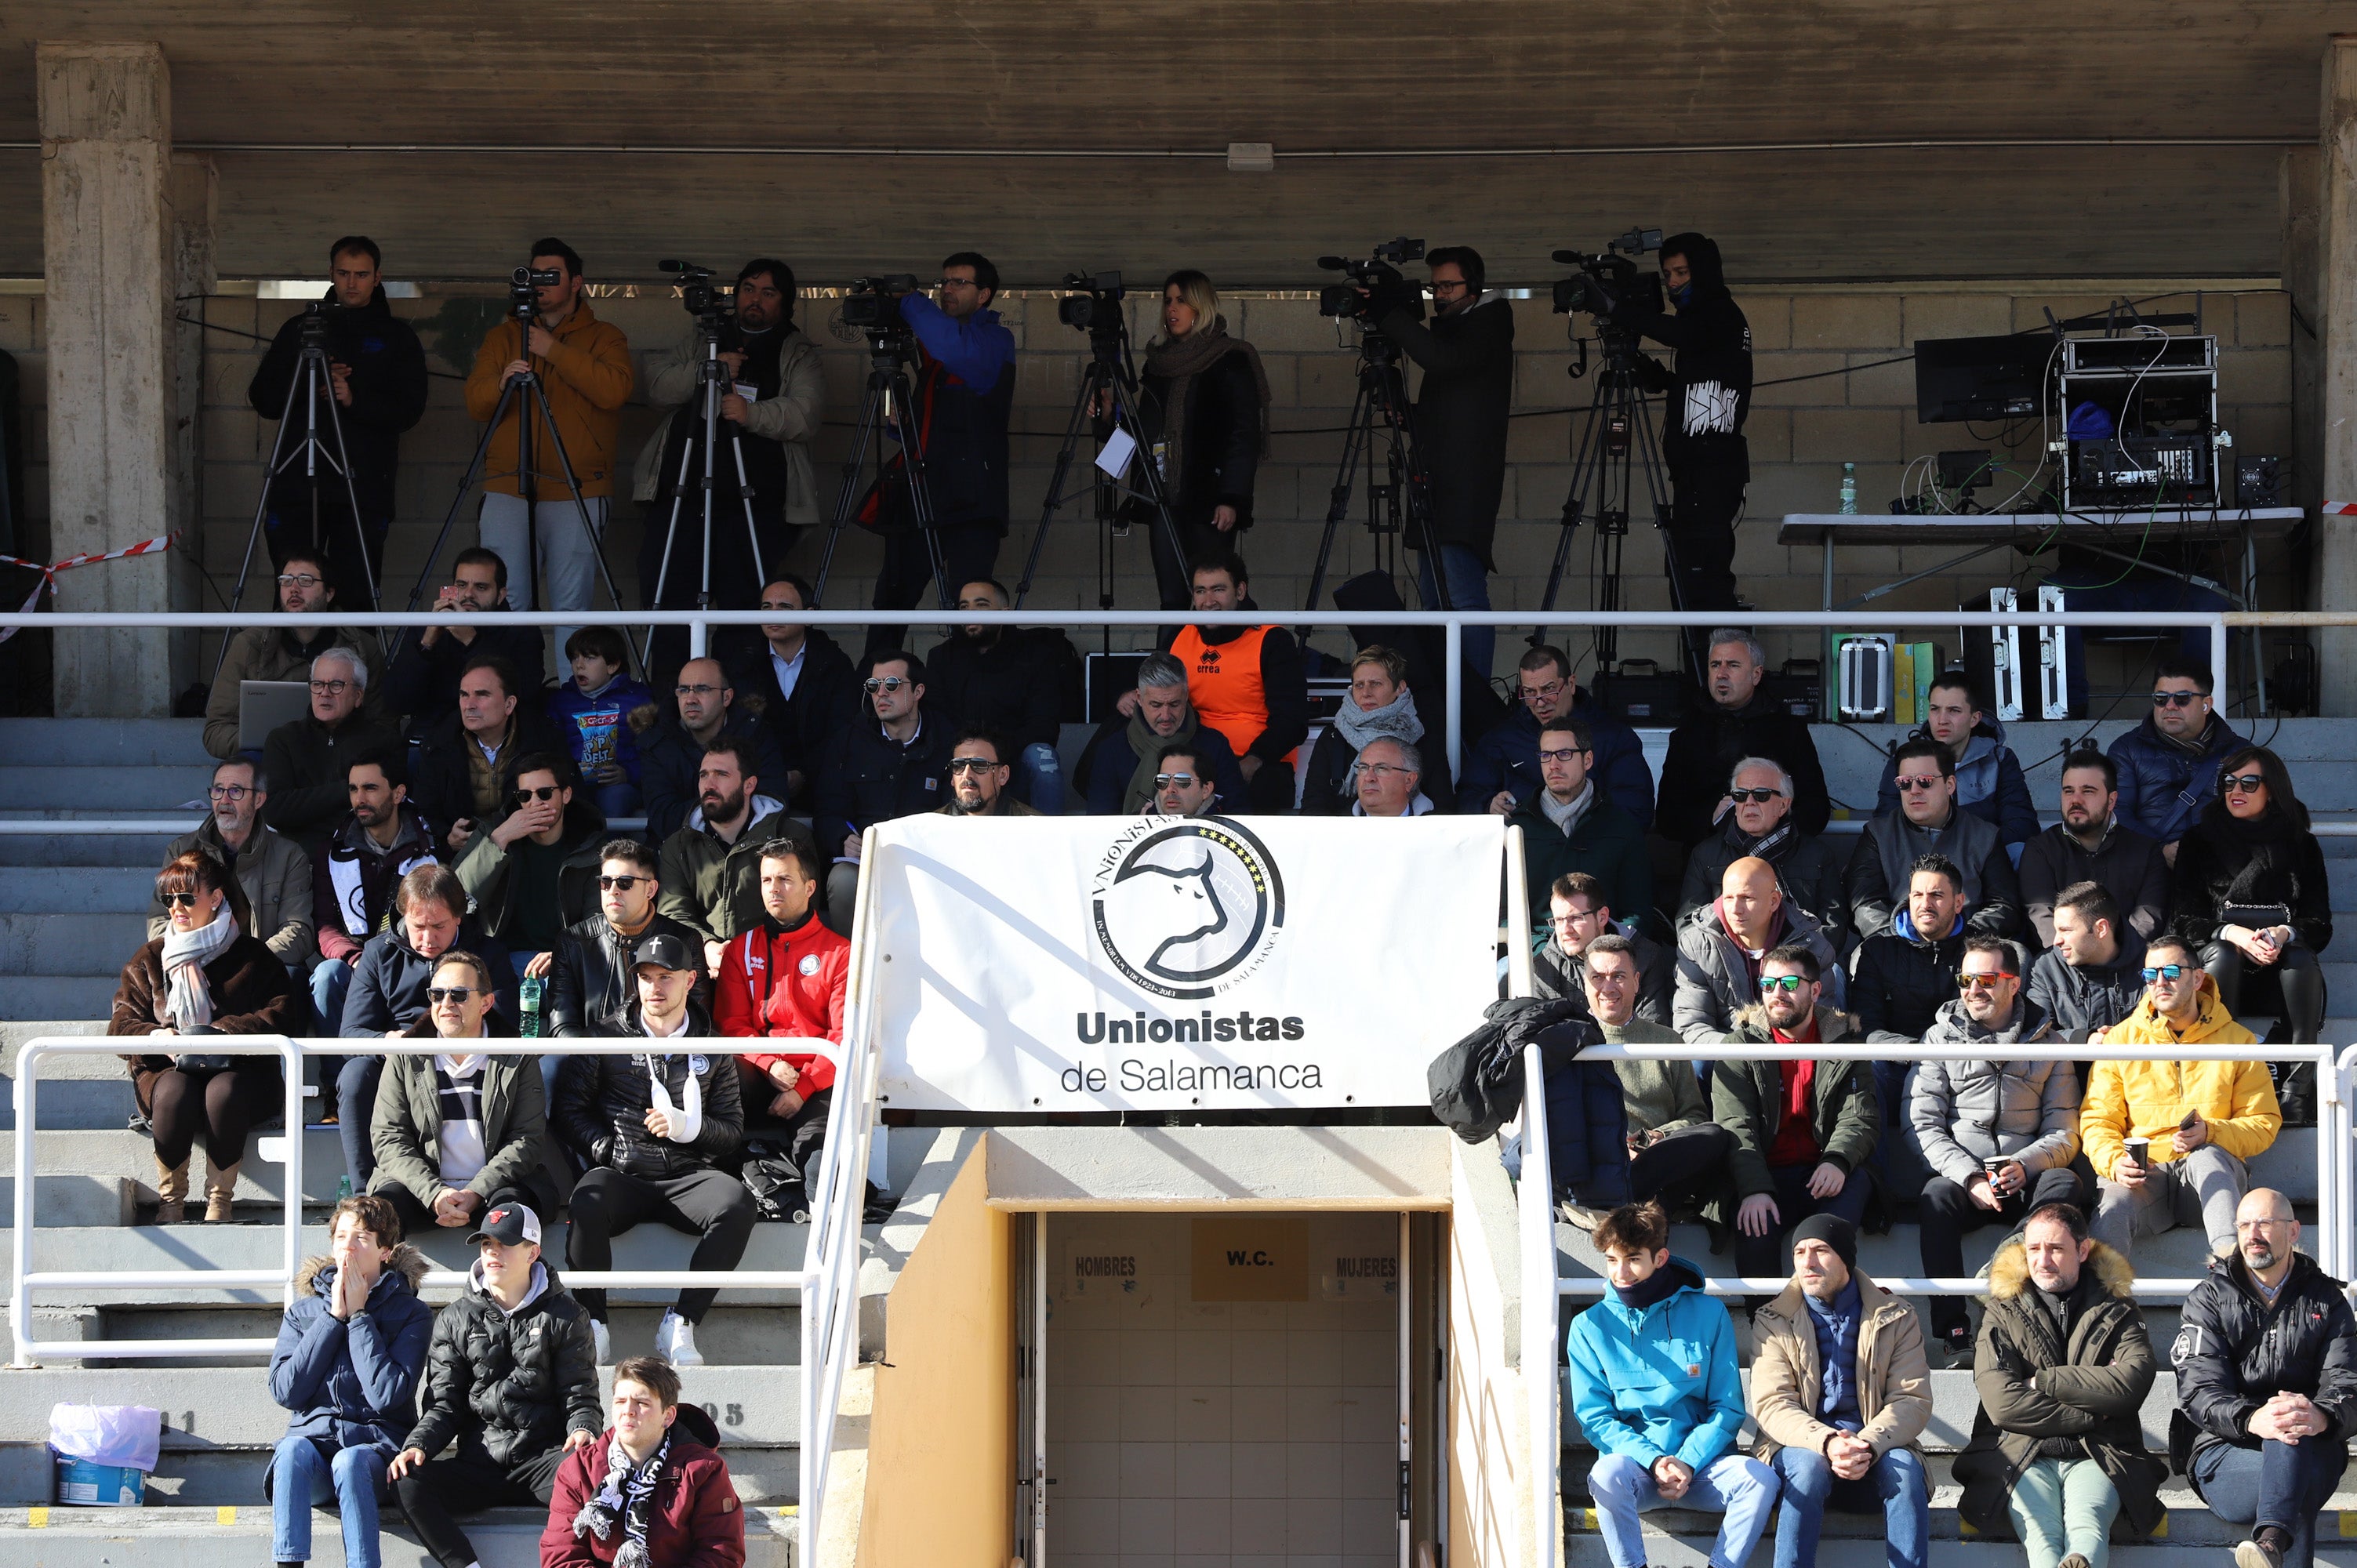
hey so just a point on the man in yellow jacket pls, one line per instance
(2195, 1124)
(584, 366)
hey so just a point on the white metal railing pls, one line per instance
(826, 1286)
(1453, 624)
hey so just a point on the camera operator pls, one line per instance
(966, 390)
(376, 374)
(1467, 355)
(584, 366)
(775, 388)
(1709, 388)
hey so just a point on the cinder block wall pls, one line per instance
(1800, 431)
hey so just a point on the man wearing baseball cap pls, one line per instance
(651, 1130)
(510, 1377)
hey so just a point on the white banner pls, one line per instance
(1176, 963)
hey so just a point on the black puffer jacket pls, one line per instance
(1902, 981)
(602, 1103)
(2275, 860)
(1707, 746)
(508, 1386)
(2082, 999)
(2233, 1353)
(1014, 685)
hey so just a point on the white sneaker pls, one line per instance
(676, 1341)
(605, 1339)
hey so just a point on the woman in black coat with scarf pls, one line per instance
(2251, 892)
(1203, 419)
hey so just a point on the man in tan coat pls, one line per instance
(1841, 1390)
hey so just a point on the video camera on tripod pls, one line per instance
(1612, 287)
(1094, 305)
(524, 289)
(873, 305)
(1377, 286)
(702, 300)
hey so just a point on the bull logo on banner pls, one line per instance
(1186, 909)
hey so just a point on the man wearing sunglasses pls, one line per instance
(1988, 775)
(701, 715)
(1968, 1115)
(893, 761)
(278, 653)
(1760, 825)
(2197, 1124)
(978, 779)
(1929, 821)
(1117, 767)
(588, 975)
(964, 392)
(536, 872)
(1182, 783)
(2168, 764)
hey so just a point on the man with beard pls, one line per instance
(2091, 845)
(278, 653)
(376, 382)
(1927, 821)
(711, 866)
(1116, 772)
(2267, 1386)
(672, 742)
(978, 779)
(770, 403)
(354, 875)
(1709, 388)
(1738, 722)
(423, 680)
(1760, 825)
(783, 983)
(1009, 679)
(2168, 764)
(588, 975)
(1183, 784)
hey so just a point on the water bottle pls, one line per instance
(343, 1188)
(530, 993)
(1849, 490)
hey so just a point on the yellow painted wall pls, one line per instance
(941, 1456)
(1490, 1492)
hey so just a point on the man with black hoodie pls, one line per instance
(374, 390)
(1009, 679)
(512, 1378)
(1467, 354)
(1738, 723)
(1709, 387)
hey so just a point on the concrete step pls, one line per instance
(201, 1537)
(97, 789)
(112, 743)
(142, 853)
(79, 945)
(87, 995)
(95, 890)
(87, 1092)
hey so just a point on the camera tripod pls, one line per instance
(528, 397)
(1614, 445)
(710, 374)
(1108, 380)
(312, 378)
(889, 410)
(1403, 499)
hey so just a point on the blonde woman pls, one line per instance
(1204, 420)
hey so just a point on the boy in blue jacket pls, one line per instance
(1654, 1386)
(592, 711)
(347, 1363)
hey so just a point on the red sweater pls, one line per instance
(788, 983)
(697, 1522)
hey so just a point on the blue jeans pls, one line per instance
(1588, 1136)
(1039, 779)
(302, 1474)
(1742, 1488)
(618, 800)
(1896, 1481)
(356, 1083)
(329, 982)
(1468, 589)
(2281, 1484)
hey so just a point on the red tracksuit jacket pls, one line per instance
(789, 982)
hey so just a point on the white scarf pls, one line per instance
(188, 1001)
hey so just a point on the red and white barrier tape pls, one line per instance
(48, 580)
(2340, 509)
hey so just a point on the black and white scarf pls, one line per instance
(626, 1498)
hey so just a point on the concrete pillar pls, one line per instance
(2337, 214)
(108, 257)
(195, 204)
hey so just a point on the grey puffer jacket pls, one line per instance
(1964, 1110)
(1715, 980)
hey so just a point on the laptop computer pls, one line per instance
(264, 705)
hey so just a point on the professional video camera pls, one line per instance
(316, 314)
(1096, 308)
(524, 289)
(1379, 276)
(1611, 284)
(696, 291)
(873, 305)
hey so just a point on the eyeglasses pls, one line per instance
(883, 683)
(2242, 783)
(1565, 754)
(1909, 782)
(329, 688)
(697, 690)
(1549, 690)
(180, 901)
(1987, 981)
(1448, 285)
(297, 580)
(955, 283)
(2168, 972)
(1566, 919)
(1784, 983)
(526, 797)
(973, 765)
(2175, 699)
(1761, 796)
(438, 995)
(228, 791)
(1383, 768)
(1166, 780)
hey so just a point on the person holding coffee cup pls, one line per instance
(1999, 1136)
(2170, 1141)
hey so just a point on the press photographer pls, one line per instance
(1467, 356)
(770, 405)
(377, 380)
(1709, 388)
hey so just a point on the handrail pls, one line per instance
(1534, 1213)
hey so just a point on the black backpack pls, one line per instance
(775, 1182)
(1477, 1084)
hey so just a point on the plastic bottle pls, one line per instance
(1849, 490)
(343, 1188)
(529, 992)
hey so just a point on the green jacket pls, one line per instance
(715, 889)
(485, 872)
(1748, 1098)
(1606, 843)
(405, 1129)
(1662, 1097)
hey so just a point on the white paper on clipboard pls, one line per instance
(1119, 448)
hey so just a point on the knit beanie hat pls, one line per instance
(1834, 1231)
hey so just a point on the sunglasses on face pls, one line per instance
(609, 884)
(438, 995)
(1761, 796)
(971, 765)
(180, 901)
(1983, 981)
(1908, 783)
(1167, 780)
(543, 792)
(1769, 984)
(2175, 699)
(886, 684)
(2243, 783)
(2168, 972)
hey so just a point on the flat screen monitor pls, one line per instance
(1980, 378)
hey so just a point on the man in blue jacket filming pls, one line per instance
(1654, 1386)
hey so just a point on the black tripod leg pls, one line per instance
(1338, 505)
(261, 515)
(1081, 413)
(589, 529)
(1587, 464)
(869, 412)
(343, 461)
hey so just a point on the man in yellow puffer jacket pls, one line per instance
(2199, 1121)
